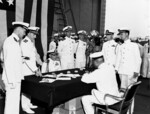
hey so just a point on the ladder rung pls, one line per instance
(58, 11)
(57, 5)
(61, 24)
(57, 8)
(57, 2)
(67, 10)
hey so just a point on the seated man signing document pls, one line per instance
(105, 78)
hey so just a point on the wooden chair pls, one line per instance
(123, 104)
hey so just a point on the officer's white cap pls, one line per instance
(74, 37)
(124, 29)
(67, 28)
(109, 32)
(96, 55)
(94, 33)
(73, 33)
(56, 34)
(33, 29)
(82, 32)
(51, 50)
(22, 24)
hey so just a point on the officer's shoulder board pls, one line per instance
(84, 43)
(25, 40)
(56, 63)
(16, 39)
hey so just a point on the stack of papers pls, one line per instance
(76, 71)
(63, 78)
(50, 76)
(47, 80)
(68, 75)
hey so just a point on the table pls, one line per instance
(58, 92)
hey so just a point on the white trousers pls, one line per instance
(67, 63)
(126, 80)
(87, 102)
(80, 61)
(12, 100)
(80, 64)
(25, 101)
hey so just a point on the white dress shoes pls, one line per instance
(28, 110)
(32, 106)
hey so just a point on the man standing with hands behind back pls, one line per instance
(128, 61)
(12, 68)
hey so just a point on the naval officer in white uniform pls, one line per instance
(53, 61)
(80, 50)
(105, 79)
(128, 60)
(29, 52)
(29, 65)
(66, 50)
(12, 68)
(109, 48)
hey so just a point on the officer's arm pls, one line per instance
(91, 77)
(60, 47)
(38, 59)
(137, 59)
(9, 63)
(26, 53)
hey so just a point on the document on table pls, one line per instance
(63, 78)
(50, 78)
(68, 75)
(47, 80)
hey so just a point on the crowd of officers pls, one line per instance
(67, 50)
(72, 50)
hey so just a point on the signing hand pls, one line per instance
(38, 73)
